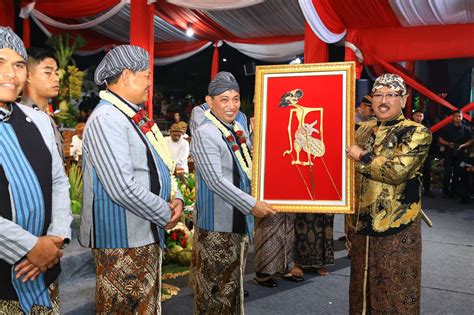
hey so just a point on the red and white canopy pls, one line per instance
(272, 30)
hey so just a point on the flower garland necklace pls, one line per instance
(151, 131)
(245, 165)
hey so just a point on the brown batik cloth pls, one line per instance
(348, 231)
(394, 273)
(314, 243)
(13, 307)
(274, 243)
(192, 266)
(128, 280)
(219, 272)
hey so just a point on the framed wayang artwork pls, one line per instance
(304, 120)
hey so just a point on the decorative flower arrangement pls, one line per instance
(179, 245)
(70, 92)
(70, 77)
(177, 237)
(246, 164)
(187, 186)
(75, 191)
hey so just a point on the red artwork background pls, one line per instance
(283, 181)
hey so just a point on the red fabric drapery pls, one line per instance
(94, 39)
(7, 13)
(71, 8)
(315, 50)
(415, 43)
(203, 26)
(26, 32)
(356, 14)
(412, 82)
(420, 88)
(329, 16)
(410, 68)
(142, 34)
(170, 49)
(215, 61)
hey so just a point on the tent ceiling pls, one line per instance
(260, 25)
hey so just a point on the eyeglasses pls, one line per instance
(390, 97)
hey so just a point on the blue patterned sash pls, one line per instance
(244, 185)
(28, 205)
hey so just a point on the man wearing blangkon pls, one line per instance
(386, 244)
(129, 193)
(224, 208)
(35, 213)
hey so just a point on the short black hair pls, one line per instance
(114, 79)
(36, 55)
(458, 112)
(418, 111)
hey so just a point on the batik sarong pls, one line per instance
(128, 280)
(314, 244)
(219, 272)
(13, 307)
(192, 266)
(393, 281)
(274, 243)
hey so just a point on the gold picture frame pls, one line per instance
(304, 120)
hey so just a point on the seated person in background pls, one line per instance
(76, 143)
(364, 112)
(184, 128)
(179, 148)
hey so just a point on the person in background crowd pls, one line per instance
(76, 143)
(419, 117)
(35, 214)
(178, 147)
(42, 84)
(314, 243)
(386, 244)
(364, 111)
(455, 137)
(176, 117)
(184, 128)
(274, 248)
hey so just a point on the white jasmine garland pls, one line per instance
(246, 167)
(153, 135)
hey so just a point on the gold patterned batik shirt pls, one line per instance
(388, 177)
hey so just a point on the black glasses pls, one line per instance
(378, 97)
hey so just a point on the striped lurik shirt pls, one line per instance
(34, 200)
(123, 179)
(217, 192)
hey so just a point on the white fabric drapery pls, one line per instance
(215, 4)
(433, 12)
(268, 19)
(169, 60)
(317, 24)
(118, 28)
(270, 52)
(104, 17)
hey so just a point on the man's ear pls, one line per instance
(404, 100)
(209, 101)
(125, 77)
(28, 76)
